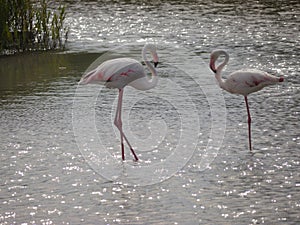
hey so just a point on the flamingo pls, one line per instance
(120, 72)
(243, 82)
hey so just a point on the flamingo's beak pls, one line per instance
(155, 64)
(281, 79)
(212, 66)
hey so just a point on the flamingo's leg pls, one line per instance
(249, 123)
(118, 124)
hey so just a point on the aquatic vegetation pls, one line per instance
(31, 25)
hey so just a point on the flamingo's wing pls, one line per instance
(121, 72)
(247, 81)
(115, 73)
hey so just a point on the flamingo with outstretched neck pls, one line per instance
(243, 82)
(120, 72)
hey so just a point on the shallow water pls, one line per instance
(60, 154)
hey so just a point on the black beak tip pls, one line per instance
(155, 64)
(213, 69)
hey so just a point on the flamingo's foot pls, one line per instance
(135, 157)
(123, 153)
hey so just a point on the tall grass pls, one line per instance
(30, 25)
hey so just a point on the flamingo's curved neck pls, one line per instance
(153, 81)
(219, 69)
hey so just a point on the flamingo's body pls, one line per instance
(243, 82)
(117, 73)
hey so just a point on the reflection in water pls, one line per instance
(21, 71)
(46, 180)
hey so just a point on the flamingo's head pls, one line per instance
(212, 64)
(152, 49)
(214, 57)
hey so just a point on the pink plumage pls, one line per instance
(248, 81)
(115, 73)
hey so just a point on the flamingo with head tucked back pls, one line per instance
(119, 72)
(243, 82)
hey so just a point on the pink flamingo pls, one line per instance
(119, 72)
(243, 82)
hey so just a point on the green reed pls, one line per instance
(30, 25)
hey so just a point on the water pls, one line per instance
(195, 165)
